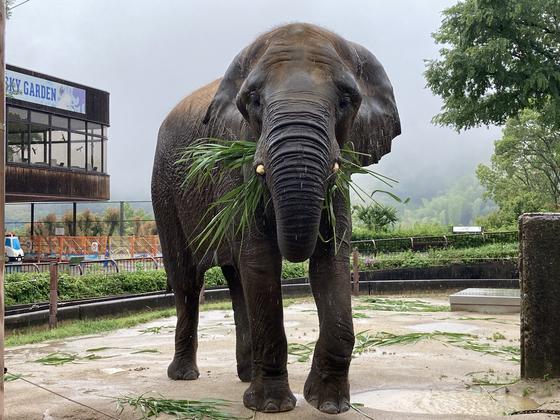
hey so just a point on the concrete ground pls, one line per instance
(425, 380)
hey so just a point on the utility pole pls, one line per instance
(2, 190)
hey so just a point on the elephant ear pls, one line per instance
(377, 122)
(223, 104)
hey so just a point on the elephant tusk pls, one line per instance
(336, 167)
(260, 169)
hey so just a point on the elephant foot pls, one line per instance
(329, 394)
(269, 396)
(182, 370)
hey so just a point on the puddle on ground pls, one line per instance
(443, 402)
(453, 327)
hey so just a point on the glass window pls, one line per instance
(105, 156)
(59, 122)
(18, 140)
(39, 147)
(59, 154)
(77, 153)
(105, 131)
(78, 125)
(59, 135)
(17, 114)
(39, 118)
(59, 147)
(94, 129)
(94, 155)
(16, 146)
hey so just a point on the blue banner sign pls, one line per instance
(45, 92)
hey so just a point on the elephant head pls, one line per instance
(303, 92)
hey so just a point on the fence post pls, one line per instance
(355, 272)
(539, 270)
(121, 219)
(53, 298)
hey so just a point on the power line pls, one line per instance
(17, 5)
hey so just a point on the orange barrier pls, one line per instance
(117, 246)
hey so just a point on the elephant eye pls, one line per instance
(345, 101)
(254, 99)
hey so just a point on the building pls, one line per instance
(56, 139)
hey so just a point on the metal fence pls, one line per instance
(424, 243)
(112, 247)
(107, 266)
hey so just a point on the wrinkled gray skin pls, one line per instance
(300, 92)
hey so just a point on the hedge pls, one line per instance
(23, 288)
(457, 241)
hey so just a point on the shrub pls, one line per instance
(21, 288)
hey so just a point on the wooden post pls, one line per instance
(355, 272)
(2, 191)
(53, 298)
(539, 270)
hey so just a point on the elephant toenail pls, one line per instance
(287, 405)
(328, 407)
(270, 407)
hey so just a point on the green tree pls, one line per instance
(524, 174)
(377, 217)
(111, 218)
(498, 57)
(458, 205)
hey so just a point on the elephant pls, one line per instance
(301, 93)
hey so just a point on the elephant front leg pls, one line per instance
(327, 387)
(269, 391)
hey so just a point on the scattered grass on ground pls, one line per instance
(492, 378)
(60, 358)
(152, 407)
(398, 305)
(302, 351)
(9, 377)
(32, 335)
(366, 341)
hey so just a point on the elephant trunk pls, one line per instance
(299, 162)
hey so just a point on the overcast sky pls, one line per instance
(149, 54)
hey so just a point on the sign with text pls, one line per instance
(45, 92)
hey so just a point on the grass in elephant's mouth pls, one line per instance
(209, 161)
(152, 407)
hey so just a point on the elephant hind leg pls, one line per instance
(183, 366)
(186, 282)
(242, 332)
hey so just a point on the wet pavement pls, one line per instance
(431, 378)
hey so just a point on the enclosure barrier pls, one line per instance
(60, 247)
(50, 248)
(424, 243)
(106, 266)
